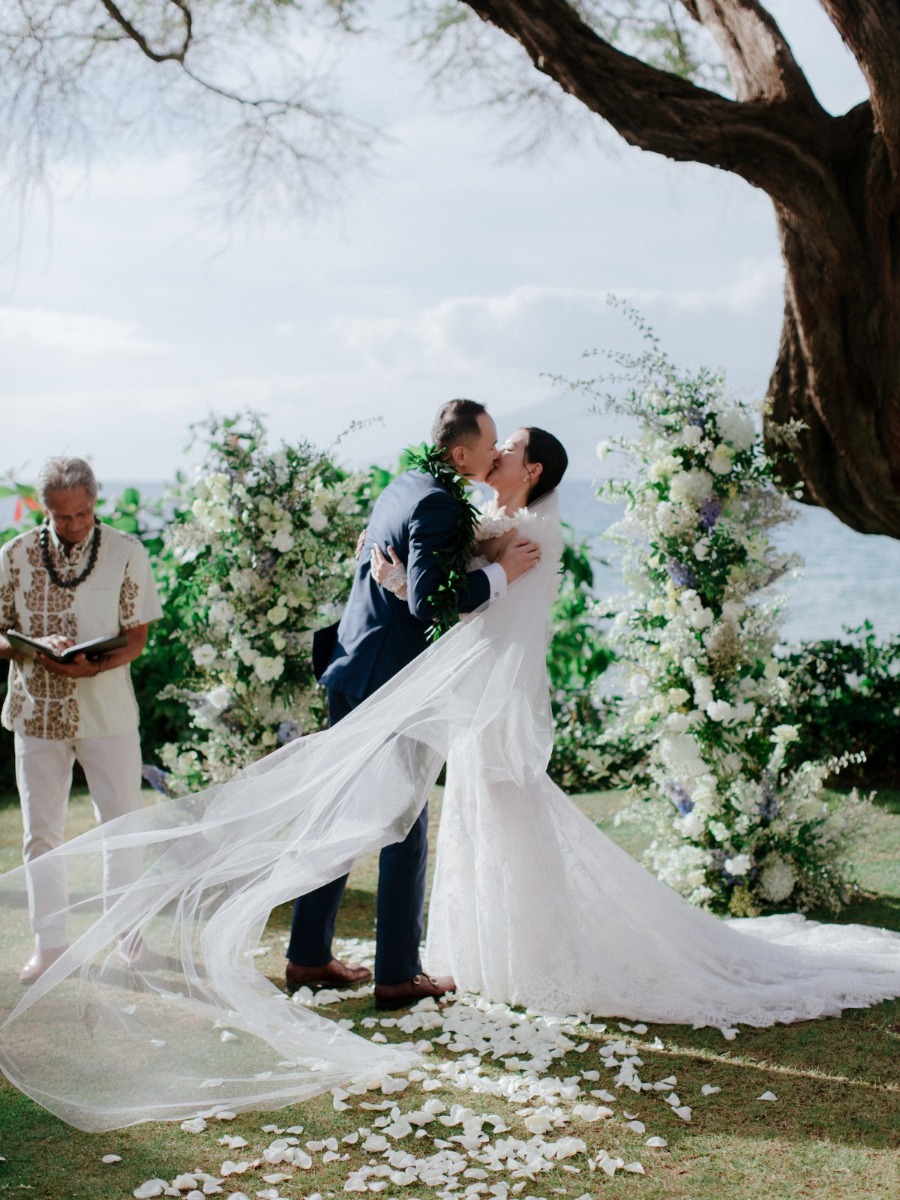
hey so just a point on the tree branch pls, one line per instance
(157, 56)
(759, 60)
(871, 31)
(779, 145)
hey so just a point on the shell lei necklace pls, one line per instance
(44, 539)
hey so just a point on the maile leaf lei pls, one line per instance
(453, 559)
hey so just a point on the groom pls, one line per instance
(378, 635)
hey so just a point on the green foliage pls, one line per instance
(454, 556)
(579, 654)
(844, 695)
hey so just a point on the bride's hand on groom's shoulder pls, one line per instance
(519, 557)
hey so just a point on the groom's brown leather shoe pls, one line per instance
(399, 995)
(40, 962)
(332, 974)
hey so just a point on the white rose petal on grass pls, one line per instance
(635, 1168)
(656, 1143)
(150, 1188)
(193, 1125)
(637, 1126)
(709, 1090)
(227, 1036)
(767, 1096)
(110, 1158)
(184, 1183)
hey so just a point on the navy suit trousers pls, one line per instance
(401, 898)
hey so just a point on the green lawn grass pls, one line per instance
(833, 1132)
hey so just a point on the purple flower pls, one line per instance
(710, 511)
(679, 796)
(288, 731)
(156, 777)
(266, 562)
(681, 575)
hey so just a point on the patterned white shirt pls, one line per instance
(119, 593)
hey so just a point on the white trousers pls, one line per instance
(112, 767)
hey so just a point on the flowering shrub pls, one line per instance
(262, 547)
(740, 823)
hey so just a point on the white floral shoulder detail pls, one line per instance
(494, 521)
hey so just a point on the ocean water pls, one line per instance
(847, 577)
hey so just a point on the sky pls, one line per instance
(128, 311)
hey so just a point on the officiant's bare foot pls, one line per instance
(399, 995)
(331, 974)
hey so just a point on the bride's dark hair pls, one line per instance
(542, 447)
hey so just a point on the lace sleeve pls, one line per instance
(390, 576)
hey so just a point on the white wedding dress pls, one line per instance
(532, 904)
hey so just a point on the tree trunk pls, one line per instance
(838, 367)
(834, 184)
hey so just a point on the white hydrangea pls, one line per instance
(737, 428)
(691, 487)
(721, 461)
(204, 655)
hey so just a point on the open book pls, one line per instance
(93, 649)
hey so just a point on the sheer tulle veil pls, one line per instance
(105, 1043)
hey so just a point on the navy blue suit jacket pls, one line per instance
(380, 633)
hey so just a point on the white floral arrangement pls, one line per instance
(265, 552)
(739, 826)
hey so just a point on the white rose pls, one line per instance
(219, 698)
(205, 655)
(701, 550)
(739, 865)
(282, 541)
(279, 641)
(784, 734)
(772, 669)
(267, 669)
(719, 831)
(221, 613)
(677, 722)
(317, 521)
(277, 614)
(719, 710)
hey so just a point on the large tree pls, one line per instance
(833, 179)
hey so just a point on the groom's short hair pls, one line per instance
(457, 423)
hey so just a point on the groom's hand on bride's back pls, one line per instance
(518, 558)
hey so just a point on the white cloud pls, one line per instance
(73, 333)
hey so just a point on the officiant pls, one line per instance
(69, 581)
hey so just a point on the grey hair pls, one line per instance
(64, 474)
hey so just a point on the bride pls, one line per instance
(157, 1011)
